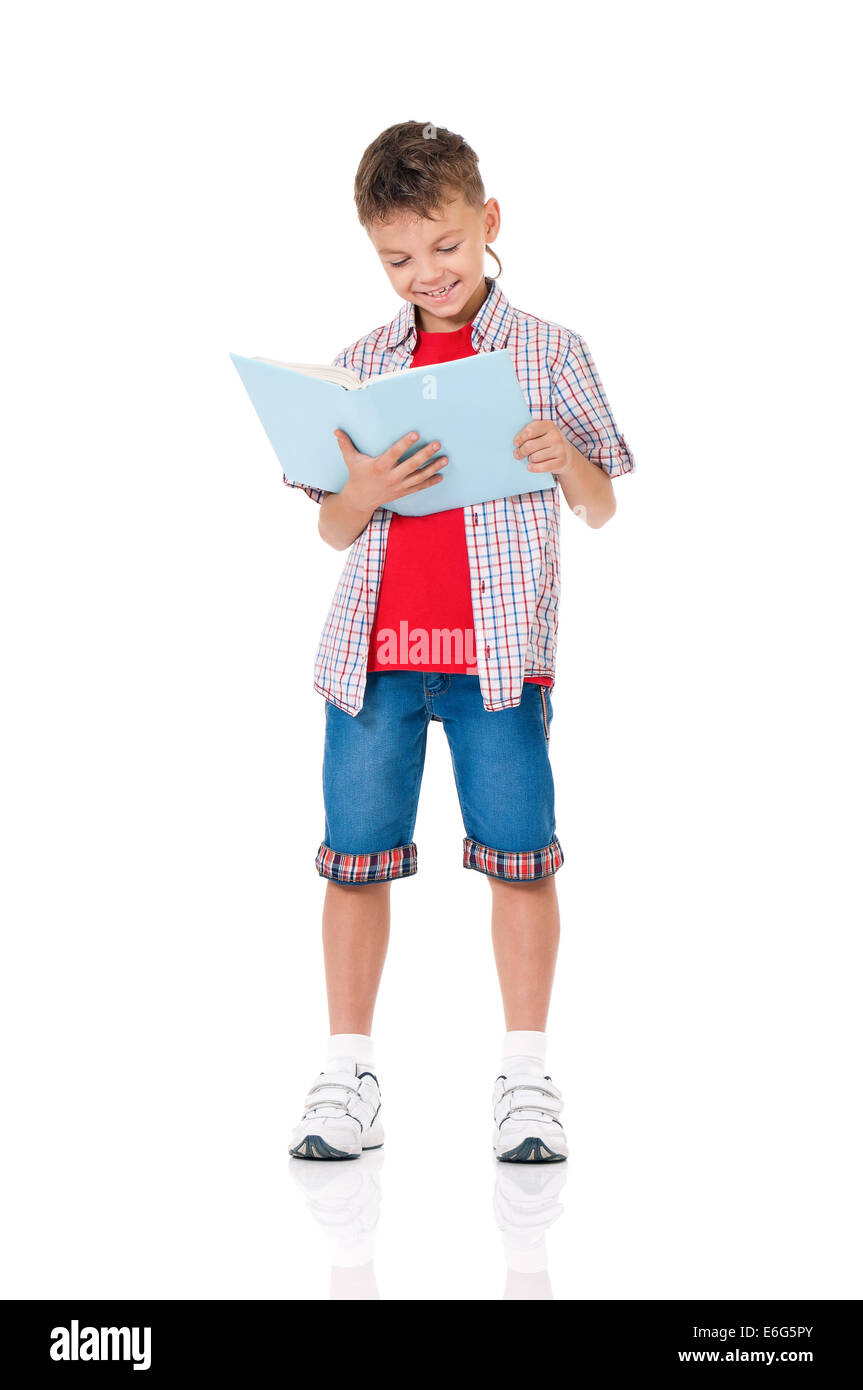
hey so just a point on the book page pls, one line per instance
(339, 376)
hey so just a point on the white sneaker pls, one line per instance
(341, 1114)
(527, 1127)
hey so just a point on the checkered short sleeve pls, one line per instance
(583, 415)
(317, 494)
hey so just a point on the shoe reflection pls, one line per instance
(527, 1200)
(344, 1199)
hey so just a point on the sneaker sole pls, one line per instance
(315, 1147)
(531, 1151)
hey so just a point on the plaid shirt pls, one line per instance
(512, 543)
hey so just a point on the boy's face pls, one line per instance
(422, 256)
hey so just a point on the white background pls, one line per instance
(677, 185)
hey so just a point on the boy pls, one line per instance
(475, 592)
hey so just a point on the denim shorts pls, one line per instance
(373, 767)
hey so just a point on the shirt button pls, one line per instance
(475, 518)
(482, 587)
(488, 651)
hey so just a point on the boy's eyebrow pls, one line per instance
(385, 251)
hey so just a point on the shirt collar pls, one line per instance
(491, 324)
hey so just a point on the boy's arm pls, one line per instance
(583, 414)
(587, 488)
(597, 450)
(342, 519)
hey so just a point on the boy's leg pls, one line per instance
(506, 791)
(527, 1105)
(373, 764)
(342, 1114)
(356, 931)
(525, 928)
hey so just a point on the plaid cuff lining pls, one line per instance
(519, 865)
(366, 868)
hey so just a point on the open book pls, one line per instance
(474, 406)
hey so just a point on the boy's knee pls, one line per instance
(522, 885)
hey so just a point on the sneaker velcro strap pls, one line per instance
(523, 1098)
(336, 1078)
(330, 1093)
(528, 1112)
(539, 1084)
(333, 1107)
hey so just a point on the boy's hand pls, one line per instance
(545, 448)
(375, 482)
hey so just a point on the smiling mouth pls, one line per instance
(439, 294)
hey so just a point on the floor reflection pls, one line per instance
(527, 1200)
(345, 1199)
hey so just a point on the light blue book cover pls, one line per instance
(474, 406)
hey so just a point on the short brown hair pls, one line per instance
(415, 167)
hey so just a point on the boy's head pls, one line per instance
(420, 197)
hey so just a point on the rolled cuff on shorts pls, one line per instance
(520, 866)
(367, 868)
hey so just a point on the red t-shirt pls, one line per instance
(425, 586)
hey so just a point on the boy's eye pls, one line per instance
(397, 265)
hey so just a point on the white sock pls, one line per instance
(523, 1051)
(351, 1047)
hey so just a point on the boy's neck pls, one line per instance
(429, 323)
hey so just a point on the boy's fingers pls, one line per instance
(428, 476)
(541, 440)
(343, 440)
(426, 482)
(420, 457)
(544, 462)
(531, 431)
(402, 445)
